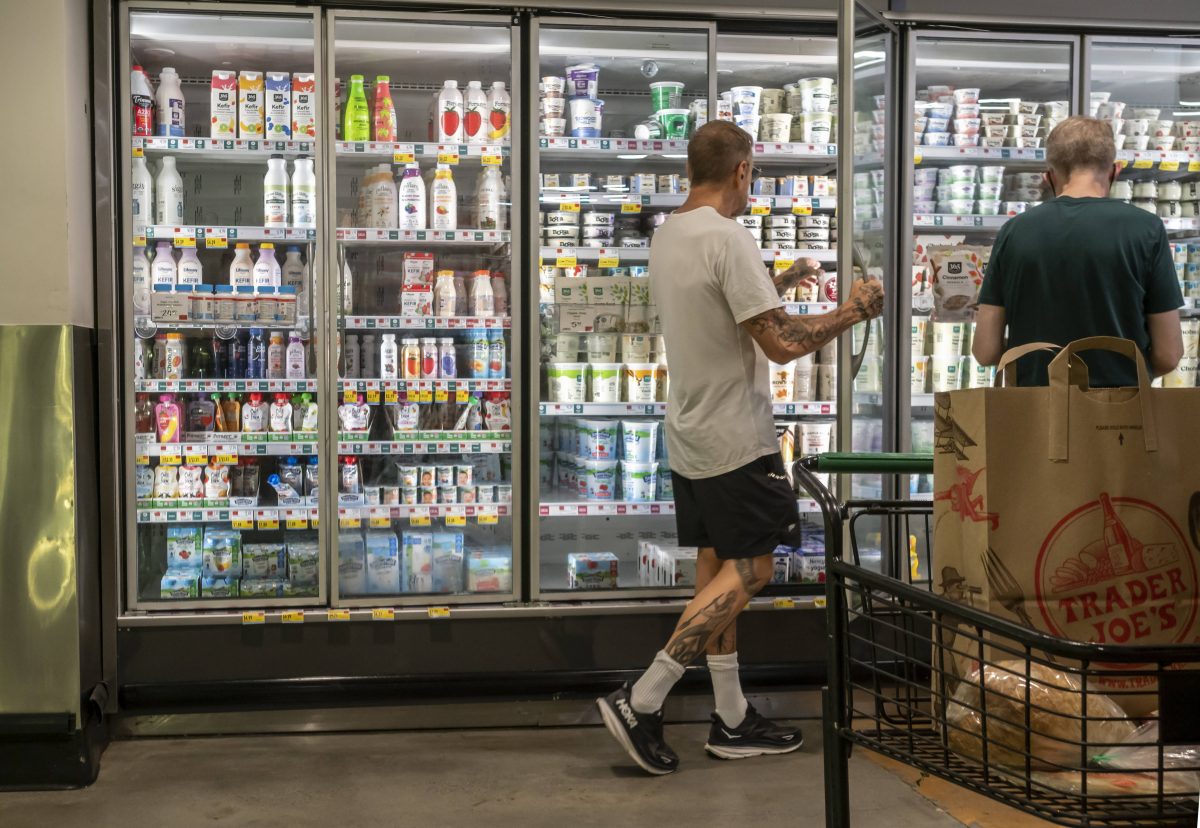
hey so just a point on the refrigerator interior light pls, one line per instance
(631, 157)
(421, 46)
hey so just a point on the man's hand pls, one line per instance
(866, 298)
(806, 272)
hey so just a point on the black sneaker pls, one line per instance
(753, 737)
(641, 734)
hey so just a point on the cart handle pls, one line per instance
(862, 463)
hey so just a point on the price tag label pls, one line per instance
(419, 520)
(138, 152)
(169, 460)
(142, 460)
(782, 265)
(254, 617)
(425, 396)
(268, 522)
(447, 157)
(1143, 164)
(631, 207)
(802, 206)
(185, 239)
(456, 520)
(760, 205)
(297, 523)
(337, 615)
(350, 395)
(491, 157)
(292, 617)
(439, 612)
(216, 237)
(487, 518)
(241, 520)
(350, 522)
(383, 614)
(1194, 166)
(441, 395)
(139, 239)
(1169, 166)
(783, 603)
(372, 395)
(819, 603)
(918, 158)
(391, 395)
(226, 459)
(569, 206)
(565, 257)
(196, 459)
(404, 154)
(610, 260)
(380, 523)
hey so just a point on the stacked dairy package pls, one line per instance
(800, 112)
(1141, 128)
(661, 565)
(945, 116)
(605, 460)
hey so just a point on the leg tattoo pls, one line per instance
(693, 633)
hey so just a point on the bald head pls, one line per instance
(715, 152)
(1081, 144)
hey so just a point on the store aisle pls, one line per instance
(531, 778)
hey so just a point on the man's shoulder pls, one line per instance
(1048, 213)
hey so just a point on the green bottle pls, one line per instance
(356, 119)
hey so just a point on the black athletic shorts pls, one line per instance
(742, 514)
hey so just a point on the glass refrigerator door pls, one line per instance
(424, 172)
(219, 260)
(982, 109)
(612, 107)
(793, 215)
(1150, 91)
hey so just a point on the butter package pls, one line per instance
(418, 561)
(447, 562)
(643, 184)
(211, 587)
(279, 106)
(592, 570)
(489, 572)
(383, 563)
(822, 185)
(792, 185)
(177, 585)
(184, 548)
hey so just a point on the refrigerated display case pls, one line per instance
(222, 336)
(425, 182)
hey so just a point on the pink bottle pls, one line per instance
(167, 416)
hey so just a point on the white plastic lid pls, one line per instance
(475, 84)
(451, 83)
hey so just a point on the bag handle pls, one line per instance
(1006, 368)
(1060, 382)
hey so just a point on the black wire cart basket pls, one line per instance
(918, 674)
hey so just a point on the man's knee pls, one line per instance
(755, 573)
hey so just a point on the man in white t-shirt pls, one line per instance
(722, 319)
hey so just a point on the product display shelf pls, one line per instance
(583, 508)
(219, 237)
(628, 149)
(436, 238)
(660, 409)
(1005, 156)
(1164, 162)
(244, 517)
(147, 326)
(220, 150)
(221, 446)
(458, 442)
(616, 256)
(554, 197)
(483, 513)
(204, 386)
(407, 153)
(429, 323)
(407, 386)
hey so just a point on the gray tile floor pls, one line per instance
(532, 778)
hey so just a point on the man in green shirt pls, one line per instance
(1081, 265)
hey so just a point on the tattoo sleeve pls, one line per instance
(800, 335)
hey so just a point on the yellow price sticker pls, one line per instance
(142, 460)
(456, 520)
(1194, 166)
(918, 158)
(185, 241)
(380, 523)
(425, 395)
(419, 520)
(372, 395)
(391, 395)
(569, 206)
(819, 603)
(350, 522)
(783, 603)
(139, 239)
(1143, 164)
(631, 207)
(1169, 166)
(220, 242)
(760, 210)
(242, 523)
(781, 265)
(254, 617)
(138, 152)
(439, 612)
(491, 160)
(404, 157)
(196, 459)
(383, 614)
(226, 459)
(292, 617)
(297, 523)
(169, 460)
(350, 395)
(268, 522)
(447, 157)
(315, 522)
(610, 261)
(461, 396)
(441, 395)
(802, 206)
(337, 615)
(565, 260)
(489, 518)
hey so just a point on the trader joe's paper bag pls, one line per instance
(1066, 509)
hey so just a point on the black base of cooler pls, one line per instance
(40, 752)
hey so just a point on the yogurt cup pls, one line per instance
(597, 233)
(1136, 126)
(989, 175)
(776, 127)
(639, 440)
(816, 94)
(666, 489)
(772, 101)
(1110, 109)
(641, 382)
(598, 479)
(966, 95)
(959, 189)
(553, 107)
(598, 439)
(606, 382)
(957, 206)
(666, 95)
(958, 172)
(554, 85)
(586, 114)
(967, 126)
(582, 80)
(936, 139)
(1056, 109)
(601, 347)
(636, 347)
(989, 191)
(597, 219)
(560, 218)
(749, 123)
(562, 231)
(568, 381)
(1149, 113)
(947, 372)
(961, 140)
(553, 127)
(745, 100)
(818, 128)
(781, 234)
(674, 122)
(1163, 144)
(987, 207)
(639, 481)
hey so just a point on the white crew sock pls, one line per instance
(650, 691)
(727, 688)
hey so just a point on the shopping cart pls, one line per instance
(977, 700)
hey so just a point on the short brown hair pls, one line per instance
(715, 151)
(1080, 142)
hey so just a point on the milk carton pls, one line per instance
(279, 106)
(418, 561)
(304, 106)
(223, 105)
(383, 563)
(250, 105)
(352, 563)
(447, 562)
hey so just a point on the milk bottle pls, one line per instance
(142, 101)
(170, 103)
(143, 194)
(450, 108)
(412, 199)
(266, 269)
(190, 271)
(383, 198)
(295, 357)
(163, 270)
(489, 199)
(169, 189)
(304, 194)
(275, 193)
(250, 105)
(241, 270)
(141, 281)
(445, 200)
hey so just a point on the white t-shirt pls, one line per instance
(707, 277)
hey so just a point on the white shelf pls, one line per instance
(809, 308)
(922, 400)
(400, 152)
(204, 386)
(959, 222)
(404, 386)
(470, 237)
(225, 444)
(659, 409)
(217, 237)
(641, 255)
(581, 508)
(458, 445)
(429, 323)
(804, 409)
(982, 155)
(676, 149)
(440, 510)
(570, 196)
(1182, 162)
(269, 517)
(243, 150)
(1182, 225)
(146, 326)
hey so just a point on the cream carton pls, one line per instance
(223, 105)
(418, 561)
(304, 106)
(279, 106)
(251, 90)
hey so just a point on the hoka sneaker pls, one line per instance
(641, 734)
(753, 737)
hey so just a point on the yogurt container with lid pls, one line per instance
(583, 80)
(586, 115)
(598, 219)
(781, 233)
(936, 139)
(562, 231)
(812, 234)
(557, 218)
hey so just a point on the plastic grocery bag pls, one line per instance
(1140, 752)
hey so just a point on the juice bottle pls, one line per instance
(447, 358)
(356, 116)
(250, 105)
(170, 103)
(482, 301)
(385, 110)
(295, 357)
(412, 199)
(475, 108)
(450, 108)
(499, 113)
(384, 199)
(255, 355)
(142, 100)
(445, 300)
(143, 415)
(429, 358)
(497, 362)
(276, 355)
(412, 359)
(444, 203)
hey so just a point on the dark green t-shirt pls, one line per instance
(1078, 267)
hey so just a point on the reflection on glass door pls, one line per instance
(221, 259)
(424, 263)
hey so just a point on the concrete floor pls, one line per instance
(530, 778)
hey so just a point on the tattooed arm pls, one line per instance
(784, 338)
(806, 271)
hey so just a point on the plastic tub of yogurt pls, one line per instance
(598, 479)
(598, 439)
(568, 381)
(639, 481)
(641, 382)
(606, 382)
(639, 440)
(583, 80)
(586, 115)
